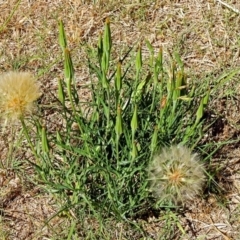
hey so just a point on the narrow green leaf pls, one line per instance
(118, 80)
(45, 146)
(179, 86)
(150, 47)
(136, 95)
(139, 60)
(100, 47)
(59, 138)
(151, 50)
(192, 92)
(134, 121)
(104, 63)
(134, 152)
(203, 103)
(62, 36)
(179, 61)
(200, 111)
(118, 126)
(68, 67)
(107, 40)
(160, 57)
(206, 98)
(107, 45)
(154, 140)
(185, 98)
(105, 84)
(61, 94)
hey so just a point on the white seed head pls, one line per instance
(175, 174)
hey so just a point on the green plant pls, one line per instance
(133, 110)
(96, 163)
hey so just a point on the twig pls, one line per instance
(228, 6)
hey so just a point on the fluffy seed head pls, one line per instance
(176, 174)
(18, 91)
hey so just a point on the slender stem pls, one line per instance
(109, 102)
(10, 150)
(117, 151)
(26, 133)
(73, 106)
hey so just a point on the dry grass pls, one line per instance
(205, 33)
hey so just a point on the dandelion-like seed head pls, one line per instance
(176, 174)
(18, 91)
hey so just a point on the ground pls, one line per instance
(205, 34)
